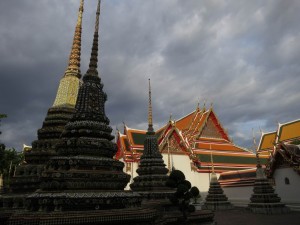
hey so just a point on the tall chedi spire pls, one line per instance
(150, 123)
(152, 172)
(264, 200)
(85, 176)
(84, 184)
(27, 176)
(69, 84)
(216, 199)
(74, 59)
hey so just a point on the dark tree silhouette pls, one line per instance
(184, 192)
(9, 159)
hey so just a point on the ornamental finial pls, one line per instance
(74, 59)
(79, 19)
(150, 124)
(258, 160)
(204, 105)
(198, 105)
(94, 55)
(170, 118)
(212, 162)
(254, 140)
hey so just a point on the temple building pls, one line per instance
(186, 144)
(282, 167)
(27, 177)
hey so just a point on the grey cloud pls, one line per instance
(243, 56)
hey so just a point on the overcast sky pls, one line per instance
(244, 56)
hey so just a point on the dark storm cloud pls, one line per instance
(241, 55)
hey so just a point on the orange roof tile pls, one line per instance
(184, 122)
(202, 120)
(219, 146)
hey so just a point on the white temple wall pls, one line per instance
(239, 196)
(289, 193)
(182, 163)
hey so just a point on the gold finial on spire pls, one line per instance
(213, 178)
(150, 124)
(258, 160)
(198, 105)
(212, 162)
(98, 14)
(74, 59)
(169, 158)
(211, 105)
(254, 140)
(79, 20)
(256, 152)
(204, 105)
(170, 118)
(94, 54)
(124, 127)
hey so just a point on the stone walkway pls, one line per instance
(242, 216)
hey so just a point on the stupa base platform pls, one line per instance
(218, 205)
(148, 195)
(9, 204)
(79, 200)
(268, 208)
(5, 215)
(132, 216)
(13, 201)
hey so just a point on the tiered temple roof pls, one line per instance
(286, 132)
(275, 150)
(197, 135)
(238, 178)
(281, 147)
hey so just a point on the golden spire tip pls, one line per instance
(150, 124)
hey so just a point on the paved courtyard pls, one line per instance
(241, 216)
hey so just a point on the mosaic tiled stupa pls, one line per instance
(152, 172)
(84, 184)
(216, 199)
(27, 177)
(263, 199)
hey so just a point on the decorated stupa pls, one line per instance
(216, 199)
(152, 172)
(27, 176)
(264, 200)
(84, 184)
